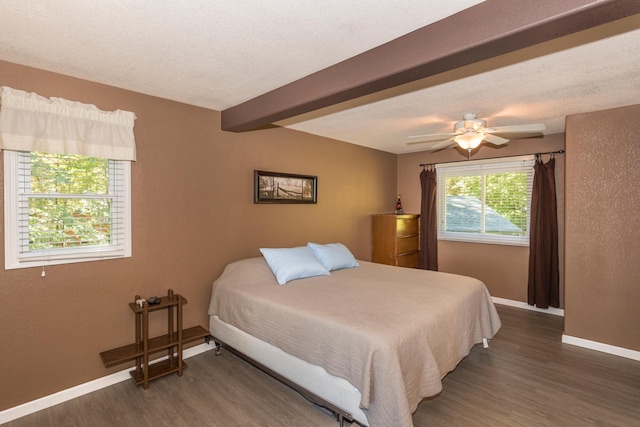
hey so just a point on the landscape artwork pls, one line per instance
(276, 187)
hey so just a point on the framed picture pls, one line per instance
(276, 187)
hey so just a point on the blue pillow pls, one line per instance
(293, 263)
(333, 256)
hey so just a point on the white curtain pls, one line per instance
(30, 122)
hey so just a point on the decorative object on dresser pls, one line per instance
(399, 210)
(173, 342)
(396, 240)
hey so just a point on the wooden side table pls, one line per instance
(144, 346)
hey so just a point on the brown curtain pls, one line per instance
(428, 220)
(544, 276)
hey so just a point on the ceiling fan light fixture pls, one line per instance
(470, 123)
(469, 140)
(470, 132)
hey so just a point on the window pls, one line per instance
(62, 208)
(485, 202)
(67, 180)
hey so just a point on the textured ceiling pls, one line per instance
(219, 54)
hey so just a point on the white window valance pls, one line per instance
(30, 122)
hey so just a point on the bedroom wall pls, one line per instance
(603, 227)
(192, 213)
(504, 269)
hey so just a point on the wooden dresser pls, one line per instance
(396, 240)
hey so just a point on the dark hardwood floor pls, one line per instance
(527, 377)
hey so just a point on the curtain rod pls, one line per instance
(500, 157)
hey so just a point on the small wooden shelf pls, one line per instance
(129, 352)
(156, 370)
(172, 342)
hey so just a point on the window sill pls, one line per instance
(490, 240)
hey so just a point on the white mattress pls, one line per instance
(335, 390)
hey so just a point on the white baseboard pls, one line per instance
(91, 386)
(520, 304)
(598, 346)
(82, 389)
(567, 339)
(97, 384)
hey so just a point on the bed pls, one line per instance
(372, 340)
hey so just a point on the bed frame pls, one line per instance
(318, 382)
(340, 414)
(328, 386)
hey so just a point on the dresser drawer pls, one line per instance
(407, 244)
(411, 260)
(407, 226)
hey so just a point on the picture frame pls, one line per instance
(278, 187)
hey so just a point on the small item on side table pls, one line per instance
(153, 300)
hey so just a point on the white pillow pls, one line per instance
(293, 263)
(333, 256)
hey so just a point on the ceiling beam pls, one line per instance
(489, 29)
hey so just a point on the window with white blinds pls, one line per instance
(485, 201)
(62, 208)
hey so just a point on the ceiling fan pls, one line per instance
(471, 131)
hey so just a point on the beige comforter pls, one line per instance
(392, 332)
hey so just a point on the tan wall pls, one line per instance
(603, 227)
(504, 269)
(192, 213)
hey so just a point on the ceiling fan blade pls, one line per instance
(443, 144)
(533, 128)
(494, 139)
(431, 137)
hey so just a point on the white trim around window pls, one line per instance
(481, 168)
(15, 254)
